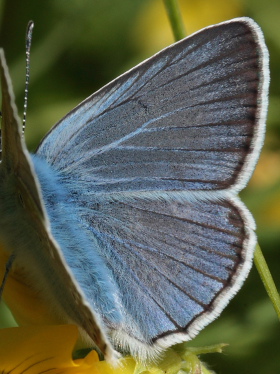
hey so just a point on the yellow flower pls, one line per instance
(48, 349)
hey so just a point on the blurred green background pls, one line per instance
(78, 46)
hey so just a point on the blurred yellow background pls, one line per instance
(78, 46)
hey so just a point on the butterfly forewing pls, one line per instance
(187, 119)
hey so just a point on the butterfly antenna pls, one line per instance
(27, 69)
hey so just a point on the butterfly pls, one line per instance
(126, 219)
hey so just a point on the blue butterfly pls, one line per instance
(127, 219)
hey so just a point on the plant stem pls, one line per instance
(175, 18)
(267, 279)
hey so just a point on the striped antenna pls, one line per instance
(27, 69)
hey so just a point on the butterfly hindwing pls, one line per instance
(173, 261)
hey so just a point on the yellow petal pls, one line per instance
(48, 349)
(36, 349)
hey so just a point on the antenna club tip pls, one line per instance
(30, 24)
(29, 29)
